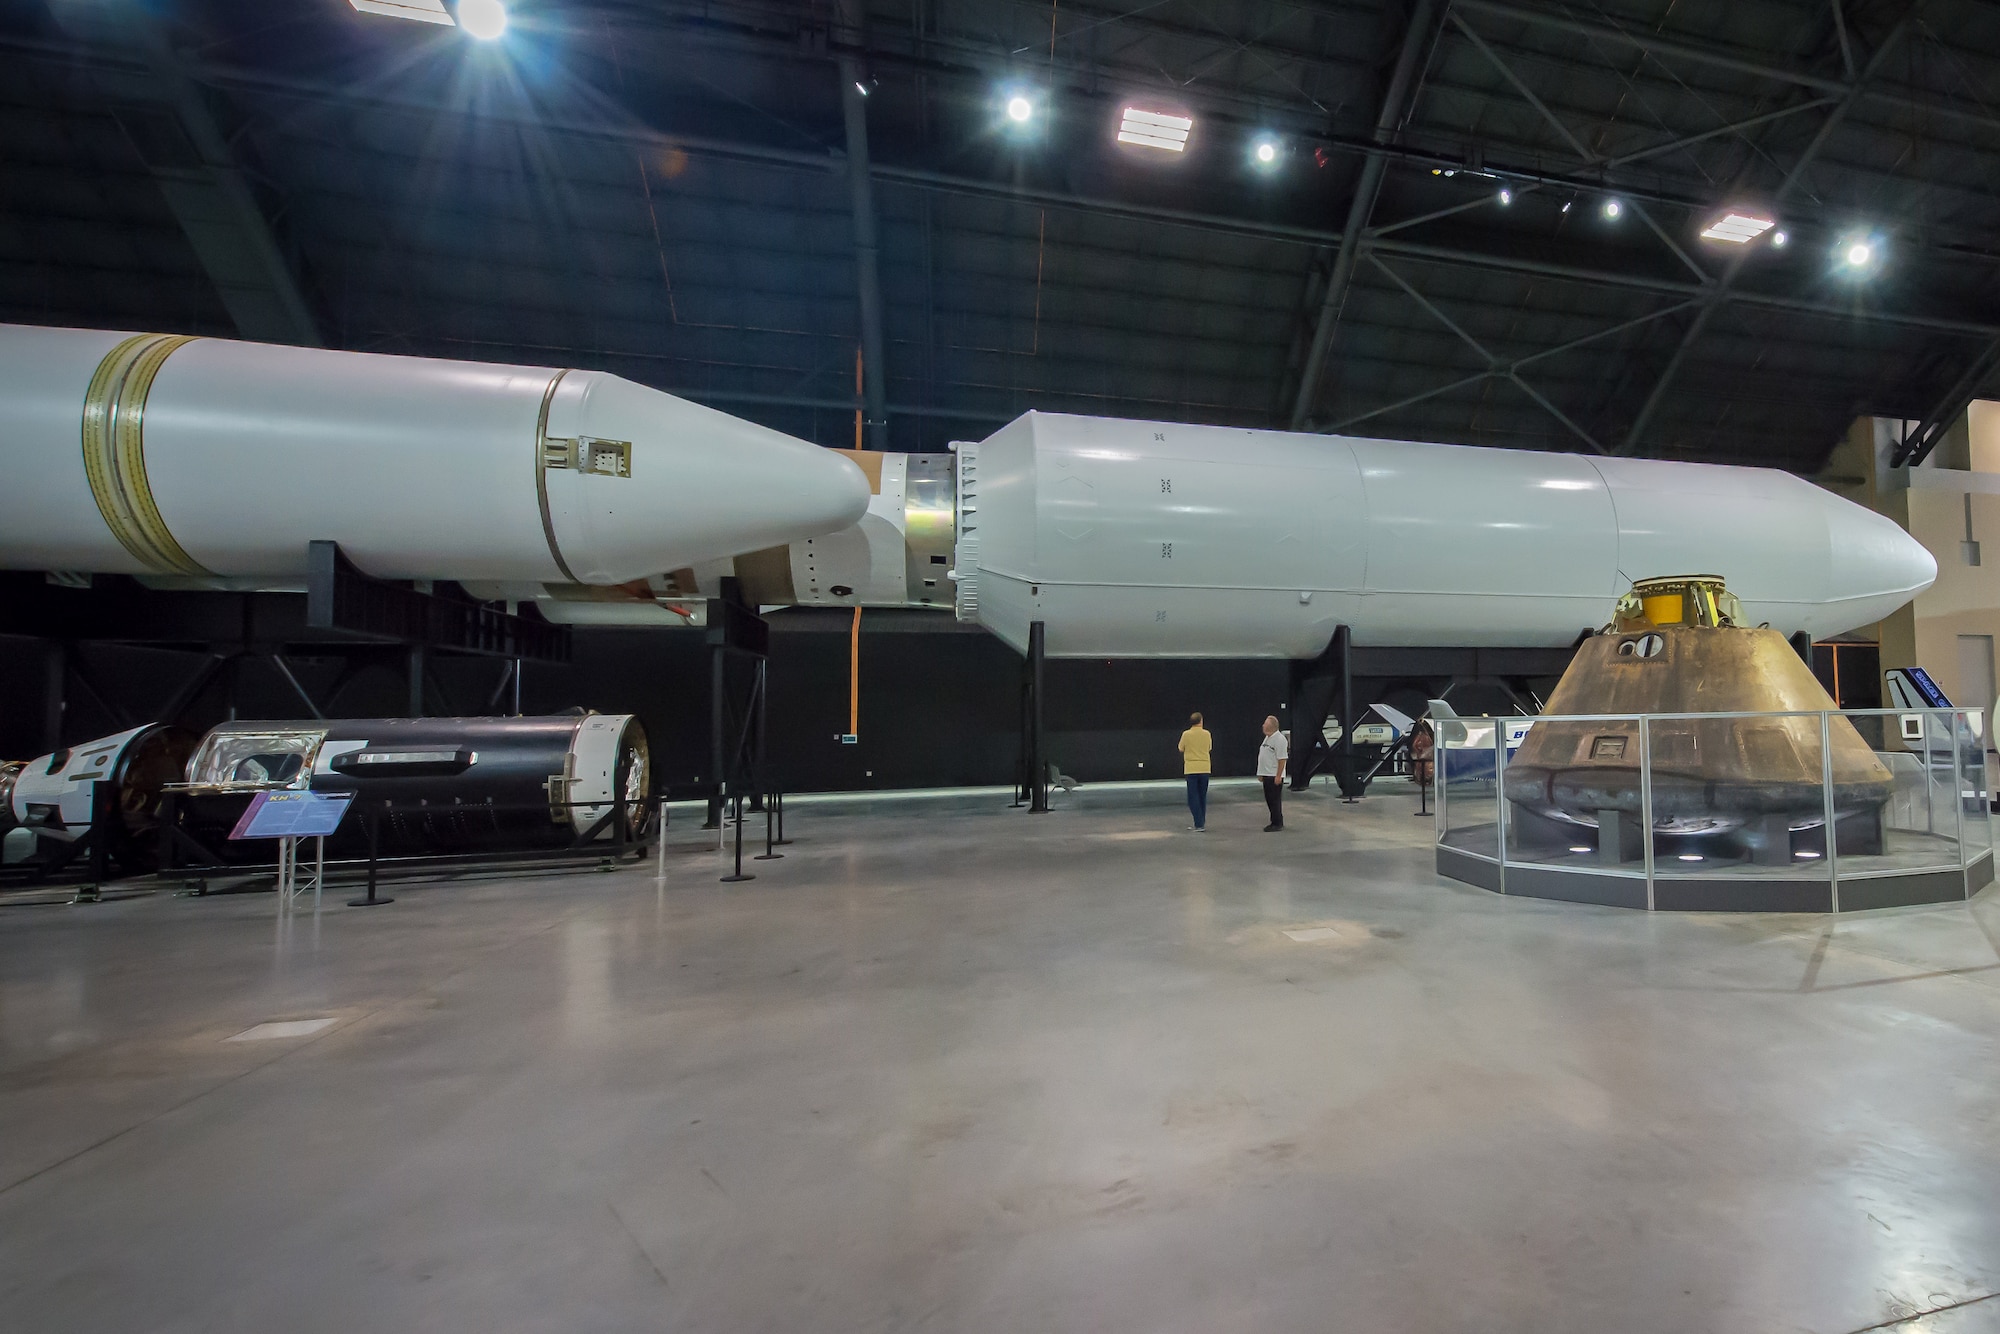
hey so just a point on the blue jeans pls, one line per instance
(1198, 799)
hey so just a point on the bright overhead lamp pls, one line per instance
(1737, 228)
(484, 19)
(1266, 152)
(1778, 240)
(1612, 209)
(423, 11)
(1506, 196)
(1156, 129)
(1859, 254)
(1019, 109)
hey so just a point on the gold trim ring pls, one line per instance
(114, 451)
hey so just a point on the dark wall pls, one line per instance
(939, 703)
(938, 707)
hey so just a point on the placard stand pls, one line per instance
(288, 816)
(289, 887)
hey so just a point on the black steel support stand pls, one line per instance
(717, 679)
(1423, 800)
(372, 823)
(103, 810)
(1343, 754)
(416, 682)
(779, 797)
(737, 876)
(1038, 771)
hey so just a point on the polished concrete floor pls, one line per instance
(990, 1072)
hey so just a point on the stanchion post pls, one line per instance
(371, 824)
(769, 854)
(782, 840)
(737, 875)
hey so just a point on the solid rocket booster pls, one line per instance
(156, 454)
(1153, 539)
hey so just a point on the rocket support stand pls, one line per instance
(1035, 775)
(1335, 666)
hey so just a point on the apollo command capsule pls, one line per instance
(163, 455)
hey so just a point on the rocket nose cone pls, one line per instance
(1873, 558)
(821, 492)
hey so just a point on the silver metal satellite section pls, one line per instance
(965, 549)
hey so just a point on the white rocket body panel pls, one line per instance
(1146, 539)
(419, 468)
(45, 504)
(253, 450)
(866, 559)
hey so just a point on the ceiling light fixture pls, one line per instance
(1612, 208)
(484, 19)
(1778, 240)
(1737, 228)
(1506, 196)
(1859, 254)
(1019, 109)
(1566, 204)
(1155, 129)
(861, 87)
(1267, 152)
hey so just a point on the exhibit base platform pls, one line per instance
(1743, 888)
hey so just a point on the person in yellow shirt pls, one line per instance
(1196, 744)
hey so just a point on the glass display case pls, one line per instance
(1718, 811)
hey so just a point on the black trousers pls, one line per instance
(1274, 798)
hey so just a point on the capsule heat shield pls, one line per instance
(1709, 775)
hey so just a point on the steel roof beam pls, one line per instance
(173, 130)
(1696, 53)
(1917, 446)
(867, 256)
(1398, 99)
(1494, 365)
(1722, 290)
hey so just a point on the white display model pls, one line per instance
(60, 784)
(1149, 539)
(159, 455)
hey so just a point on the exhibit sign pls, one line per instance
(292, 815)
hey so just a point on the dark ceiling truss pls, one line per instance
(1978, 375)
(1397, 99)
(200, 174)
(1721, 291)
(867, 248)
(1699, 53)
(1144, 292)
(831, 158)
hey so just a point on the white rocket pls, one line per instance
(169, 456)
(1152, 539)
(162, 455)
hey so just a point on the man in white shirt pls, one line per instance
(1271, 757)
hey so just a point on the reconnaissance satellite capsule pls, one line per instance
(432, 785)
(52, 794)
(163, 455)
(1151, 539)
